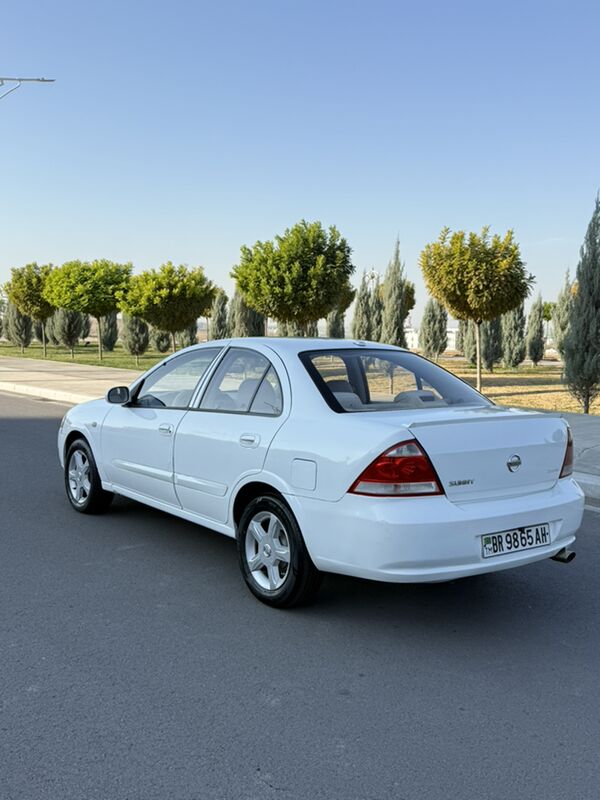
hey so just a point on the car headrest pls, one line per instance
(339, 386)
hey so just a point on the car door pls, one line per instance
(137, 438)
(227, 436)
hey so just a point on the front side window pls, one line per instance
(385, 380)
(172, 384)
(244, 382)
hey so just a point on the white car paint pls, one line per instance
(193, 463)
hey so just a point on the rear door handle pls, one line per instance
(249, 440)
(165, 429)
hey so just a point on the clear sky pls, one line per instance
(181, 130)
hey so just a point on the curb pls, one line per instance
(71, 398)
(590, 485)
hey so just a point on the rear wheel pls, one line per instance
(82, 481)
(272, 555)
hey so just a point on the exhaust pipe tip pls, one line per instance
(564, 556)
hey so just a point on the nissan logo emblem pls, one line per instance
(513, 463)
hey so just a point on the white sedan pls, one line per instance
(330, 456)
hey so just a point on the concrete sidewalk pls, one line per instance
(76, 383)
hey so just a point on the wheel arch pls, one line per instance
(256, 486)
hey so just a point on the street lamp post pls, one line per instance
(19, 81)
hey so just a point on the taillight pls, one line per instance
(567, 467)
(403, 470)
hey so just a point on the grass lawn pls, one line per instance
(530, 387)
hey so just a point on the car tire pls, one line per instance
(82, 481)
(272, 555)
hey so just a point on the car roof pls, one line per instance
(293, 345)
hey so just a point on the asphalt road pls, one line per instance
(135, 665)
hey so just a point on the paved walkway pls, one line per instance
(76, 383)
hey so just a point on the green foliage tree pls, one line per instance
(18, 327)
(459, 342)
(86, 326)
(90, 288)
(242, 320)
(561, 317)
(26, 291)
(433, 333)
(513, 337)
(361, 323)
(535, 332)
(470, 343)
(67, 328)
(336, 327)
(39, 334)
(50, 330)
(398, 301)
(376, 309)
(283, 329)
(476, 277)
(2, 311)
(170, 298)
(189, 336)
(220, 327)
(161, 340)
(110, 331)
(136, 337)
(582, 344)
(491, 343)
(297, 278)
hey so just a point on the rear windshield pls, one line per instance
(385, 380)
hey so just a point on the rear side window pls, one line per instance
(362, 380)
(244, 382)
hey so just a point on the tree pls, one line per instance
(459, 343)
(189, 336)
(242, 320)
(491, 343)
(476, 277)
(376, 309)
(469, 343)
(50, 330)
(18, 327)
(283, 329)
(398, 300)
(296, 278)
(110, 331)
(361, 323)
(170, 298)
(86, 326)
(220, 329)
(91, 288)
(433, 333)
(136, 337)
(67, 328)
(312, 329)
(26, 291)
(535, 332)
(582, 344)
(335, 320)
(161, 340)
(561, 316)
(513, 337)
(2, 311)
(39, 334)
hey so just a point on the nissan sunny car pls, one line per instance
(322, 455)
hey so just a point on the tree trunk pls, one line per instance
(22, 349)
(478, 344)
(266, 326)
(72, 354)
(99, 338)
(44, 338)
(137, 361)
(173, 342)
(586, 405)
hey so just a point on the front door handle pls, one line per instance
(249, 440)
(166, 429)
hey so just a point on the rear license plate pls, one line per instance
(513, 541)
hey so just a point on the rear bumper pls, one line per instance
(412, 540)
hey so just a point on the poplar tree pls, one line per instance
(67, 328)
(189, 336)
(245, 321)
(535, 332)
(376, 309)
(110, 331)
(335, 324)
(50, 329)
(161, 340)
(433, 333)
(219, 327)
(459, 344)
(136, 337)
(582, 344)
(491, 343)
(398, 301)
(18, 327)
(469, 343)
(561, 317)
(361, 323)
(513, 337)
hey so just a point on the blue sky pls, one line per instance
(179, 131)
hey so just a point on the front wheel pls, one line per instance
(82, 481)
(273, 557)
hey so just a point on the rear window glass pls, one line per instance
(385, 380)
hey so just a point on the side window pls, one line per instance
(236, 381)
(268, 399)
(172, 385)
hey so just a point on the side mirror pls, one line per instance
(118, 395)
